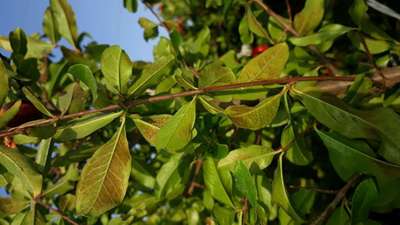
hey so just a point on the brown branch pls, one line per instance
(288, 27)
(339, 196)
(325, 191)
(289, 10)
(326, 83)
(193, 184)
(59, 212)
(370, 57)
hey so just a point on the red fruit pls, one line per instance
(9, 142)
(27, 112)
(259, 49)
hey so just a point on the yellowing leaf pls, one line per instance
(267, 65)
(178, 131)
(104, 179)
(257, 117)
(260, 155)
(150, 128)
(8, 115)
(310, 17)
(22, 168)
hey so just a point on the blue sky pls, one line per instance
(106, 20)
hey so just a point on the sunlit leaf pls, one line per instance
(64, 20)
(49, 26)
(117, 69)
(151, 126)
(267, 65)
(36, 102)
(84, 74)
(178, 130)
(8, 115)
(104, 178)
(312, 9)
(256, 117)
(151, 73)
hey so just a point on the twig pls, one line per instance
(59, 212)
(371, 58)
(154, 99)
(325, 191)
(339, 196)
(289, 10)
(289, 27)
(194, 184)
(160, 21)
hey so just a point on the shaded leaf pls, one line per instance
(10, 206)
(213, 182)
(339, 216)
(244, 183)
(4, 75)
(150, 28)
(8, 115)
(104, 178)
(279, 193)
(131, 5)
(297, 152)
(36, 102)
(49, 26)
(22, 168)
(364, 196)
(254, 25)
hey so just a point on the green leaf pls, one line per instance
(213, 182)
(83, 127)
(327, 33)
(4, 75)
(244, 31)
(104, 178)
(279, 194)
(22, 168)
(210, 105)
(141, 175)
(44, 153)
(151, 126)
(349, 157)
(64, 20)
(38, 48)
(202, 43)
(150, 28)
(169, 179)
(374, 124)
(5, 44)
(364, 196)
(83, 73)
(339, 216)
(310, 16)
(49, 26)
(36, 102)
(8, 115)
(257, 117)
(244, 183)
(260, 155)
(254, 25)
(151, 73)
(117, 69)
(178, 130)
(131, 5)
(267, 65)
(297, 151)
(64, 184)
(10, 206)
(18, 42)
(374, 46)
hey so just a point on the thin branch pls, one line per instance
(59, 212)
(326, 83)
(320, 190)
(288, 27)
(154, 99)
(289, 10)
(339, 196)
(160, 21)
(193, 184)
(371, 58)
